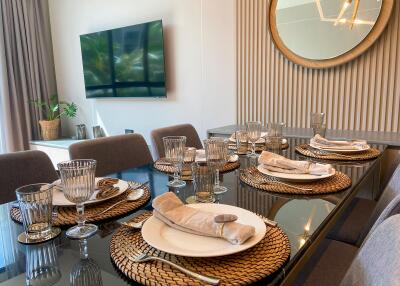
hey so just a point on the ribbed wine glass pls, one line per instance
(253, 133)
(174, 153)
(78, 183)
(217, 155)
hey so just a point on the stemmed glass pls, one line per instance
(217, 156)
(78, 182)
(175, 153)
(253, 133)
(86, 272)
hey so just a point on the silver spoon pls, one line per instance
(135, 225)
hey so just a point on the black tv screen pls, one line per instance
(125, 62)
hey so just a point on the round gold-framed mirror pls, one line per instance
(326, 33)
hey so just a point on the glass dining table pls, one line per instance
(305, 220)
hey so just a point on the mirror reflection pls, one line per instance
(325, 29)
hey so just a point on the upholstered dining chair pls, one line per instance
(361, 215)
(378, 261)
(192, 137)
(23, 168)
(113, 153)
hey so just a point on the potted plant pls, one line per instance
(52, 112)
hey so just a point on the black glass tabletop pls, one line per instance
(303, 218)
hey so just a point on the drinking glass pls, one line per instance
(42, 264)
(242, 142)
(78, 183)
(275, 128)
(36, 206)
(86, 272)
(317, 123)
(203, 182)
(274, 143)
(217, 156)
(174, 153)
(254, 133)
(190, 155)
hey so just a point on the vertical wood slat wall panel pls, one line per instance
(363, 94)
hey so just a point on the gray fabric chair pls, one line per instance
(23, 168)
(378, 261)
(192, 138)
(338, 263)
(361, 214)
(114, 153)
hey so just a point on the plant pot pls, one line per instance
(50, 129)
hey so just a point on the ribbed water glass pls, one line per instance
(36, 207)
(174, 153)
(275, 128)
(217, 156)
(317, 123)
(78, 184)
(242, 142)
(254, 133)
(42, 264)
(203, 181)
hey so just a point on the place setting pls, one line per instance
(78, 197)
(341, 150)
(197, 244)
(179, 159)
(275, 173)
(253, 140)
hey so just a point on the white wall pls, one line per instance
(200, 63)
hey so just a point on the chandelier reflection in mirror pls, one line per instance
(343, 20)
(326, 33)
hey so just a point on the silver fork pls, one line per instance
(262, 180)
(143, 257)
(267, 221)
(326, 153)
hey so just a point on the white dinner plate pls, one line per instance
(170, 240)
(259, 141)
(294, 177)
(341, 151)
(60, 200)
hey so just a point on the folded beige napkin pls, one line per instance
(322, 142)
(169, 209)
(277, 163)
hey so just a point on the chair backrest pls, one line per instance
(393, 208)
(391, 191)
(23, 168)
(192, 138)
(114, 153)
(385, 206)
(378, 260)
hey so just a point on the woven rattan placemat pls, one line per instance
(67, 215)
(307, 150)
(336, 183)
(242, 268)
(164, 167)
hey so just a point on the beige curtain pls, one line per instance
(27, 69)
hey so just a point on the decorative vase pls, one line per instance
(50, 129)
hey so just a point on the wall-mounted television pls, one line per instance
(125, 62)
